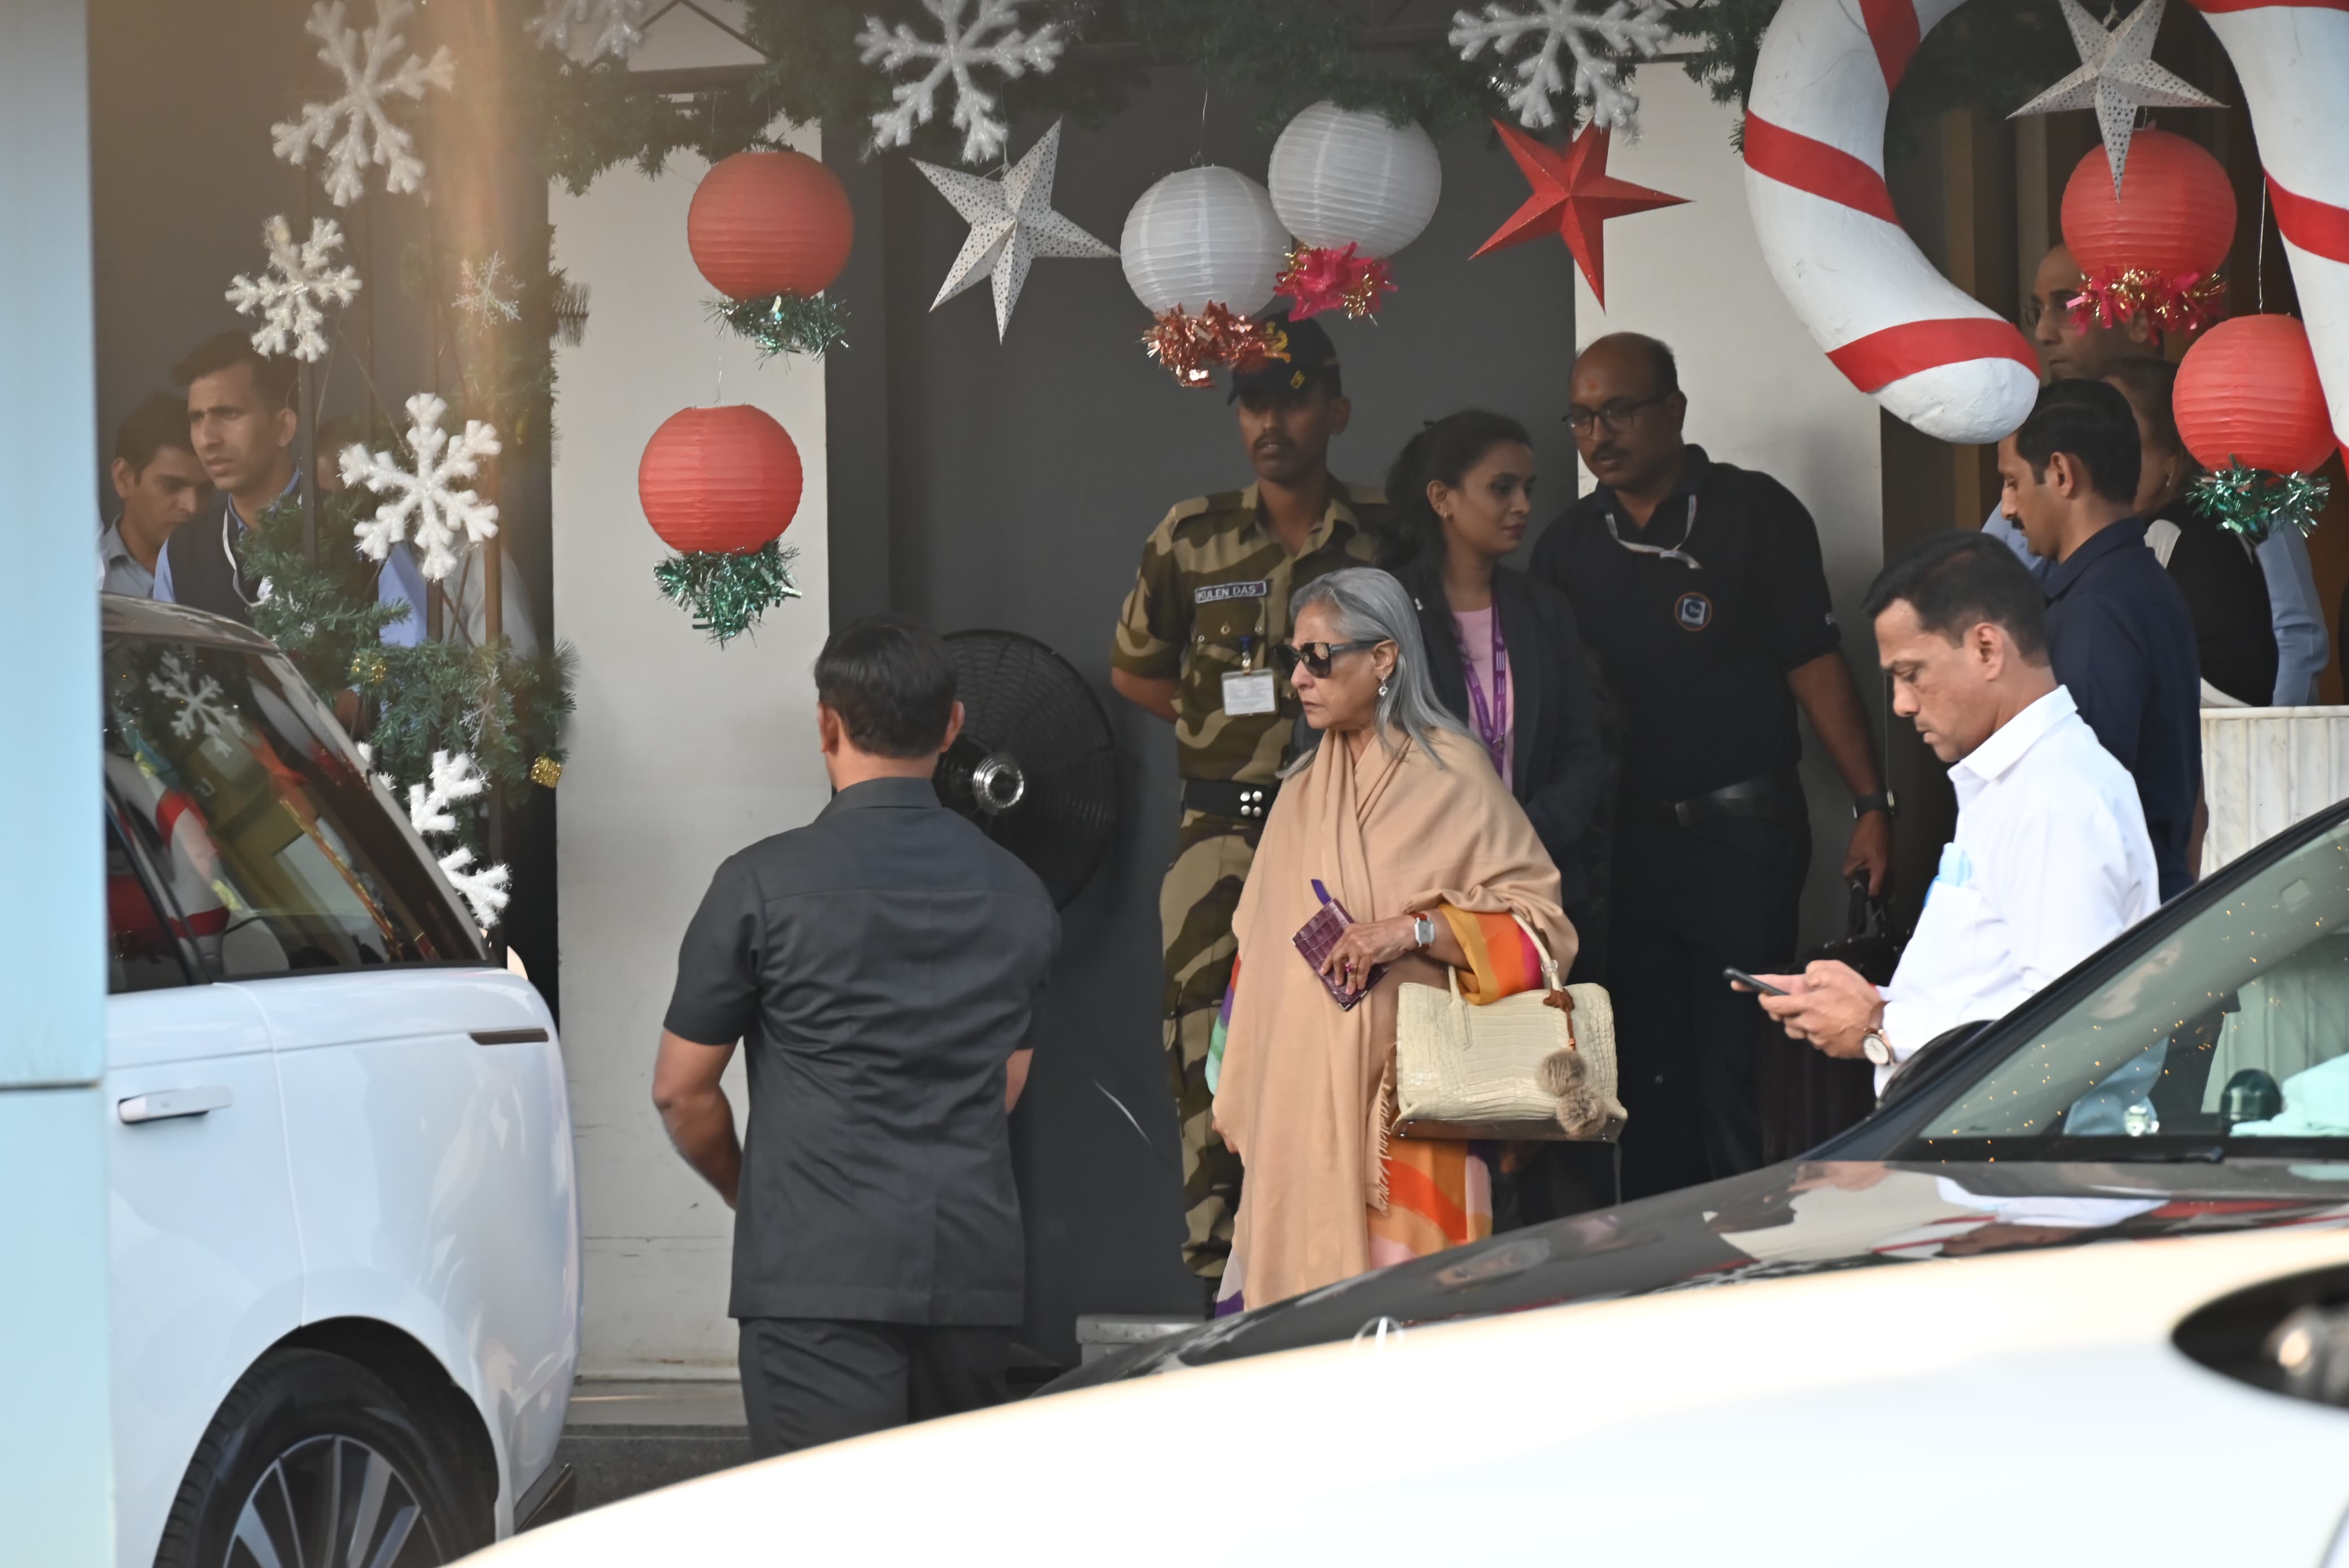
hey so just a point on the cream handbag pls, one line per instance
(1518, 1067)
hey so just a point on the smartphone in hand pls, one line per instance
(1739, 977)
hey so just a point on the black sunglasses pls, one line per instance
(1316, 656)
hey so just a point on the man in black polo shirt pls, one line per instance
(881, 965)
(2118, 631)
(1699, 587)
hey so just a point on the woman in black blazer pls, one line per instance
(1460, 497)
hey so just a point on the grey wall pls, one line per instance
(1011, 486)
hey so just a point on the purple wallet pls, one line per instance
(1317, 938)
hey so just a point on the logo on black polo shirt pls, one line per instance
(1692, 611)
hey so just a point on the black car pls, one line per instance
(2205, 1052)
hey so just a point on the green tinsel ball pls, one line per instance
(2255, 503)
(786, 323)
(728, 594)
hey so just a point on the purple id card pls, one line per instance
(1317, 938)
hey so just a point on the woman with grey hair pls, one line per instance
(1396, 817)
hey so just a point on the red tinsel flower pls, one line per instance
(1174, 341)
(2182, 302)
(1318, 278)
(1191, 347)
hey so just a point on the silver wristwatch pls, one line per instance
(1877, 1048)
(1423, 932)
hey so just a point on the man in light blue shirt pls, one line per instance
(243, 421)
(2068, 349)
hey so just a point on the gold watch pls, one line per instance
(1877, 1047)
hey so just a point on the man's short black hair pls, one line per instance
(1663, 369)
(891, 683)
(1955, 581)
(2091, 420)
(158, 422)
(272, 378)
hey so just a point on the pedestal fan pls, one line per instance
(1035, 766)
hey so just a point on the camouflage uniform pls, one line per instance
(1212, 597)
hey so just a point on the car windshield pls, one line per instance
(270, 851)
(2229, 1036)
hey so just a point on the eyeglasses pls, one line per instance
(1614, 415)
(1316, 656)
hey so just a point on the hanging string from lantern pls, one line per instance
(2259, 266)
(2255, 503)
(727, 592)
(785, 324)
(1319, 278)
(2184, 303)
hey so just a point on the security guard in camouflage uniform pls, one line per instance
(1194, 646)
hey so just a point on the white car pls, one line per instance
(345, 1223)
(2091, 1405)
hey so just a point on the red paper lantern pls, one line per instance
(721, 479)
(767, 224)
(2175, 215)
(2248, 393)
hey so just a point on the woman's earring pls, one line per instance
(1383, 688)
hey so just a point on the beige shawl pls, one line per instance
(1302, 1097)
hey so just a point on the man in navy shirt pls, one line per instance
(2118, 632)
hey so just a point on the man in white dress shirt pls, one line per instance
(2050, 859)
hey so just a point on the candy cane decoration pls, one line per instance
(2293, 58)
(1929, 352)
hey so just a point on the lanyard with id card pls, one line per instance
(1246, 692)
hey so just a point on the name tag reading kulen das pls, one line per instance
(1248, 691)
(1217, 593)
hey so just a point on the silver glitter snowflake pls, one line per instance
(964, 46)
(587, 30)
(292, 291)
(485, 293)
(199, 696)
(1599, 41)
(357, 129)
(427, 505)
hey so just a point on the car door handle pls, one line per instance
(509, 1037)
(163, 1104)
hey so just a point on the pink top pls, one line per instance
(1476, 643)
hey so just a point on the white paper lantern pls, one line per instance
(1344, 178)
(1204, 236)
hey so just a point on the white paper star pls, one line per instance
(1011, 224)
(2116, 76)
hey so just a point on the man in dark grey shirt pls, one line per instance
(882, 965)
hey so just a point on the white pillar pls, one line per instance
(57, 1455)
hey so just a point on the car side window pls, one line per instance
(142, 952)
(279, 854)
(2236, 1026)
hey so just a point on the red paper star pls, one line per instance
(1573, 197)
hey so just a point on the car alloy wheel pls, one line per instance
(332, 1502)
(316, 1462)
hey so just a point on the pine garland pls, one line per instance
(1279, 56)
(728, 594)
(505, 708)
(2255, 503)
(785, 324)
